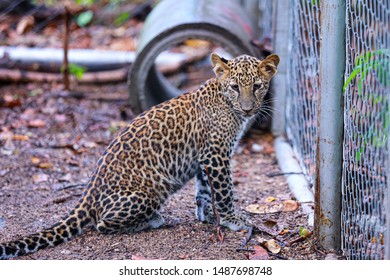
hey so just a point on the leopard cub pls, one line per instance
(193, 135)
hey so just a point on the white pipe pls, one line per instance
(297, 182)
(83, 56)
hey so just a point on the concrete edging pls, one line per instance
(297, 182)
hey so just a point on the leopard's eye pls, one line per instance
(257, 87)
(235, 87)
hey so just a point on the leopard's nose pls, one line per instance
(246, 106)
(247, 111)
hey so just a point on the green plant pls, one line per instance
(77, 70)
(84, 18)
(122, 18)
(85, 2)
(372, 64)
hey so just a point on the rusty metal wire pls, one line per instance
(366, 121)
(303, 83)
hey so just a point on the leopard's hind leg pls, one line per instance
(132, 213)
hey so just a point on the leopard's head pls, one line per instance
(245, 81)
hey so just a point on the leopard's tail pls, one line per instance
(61, 232)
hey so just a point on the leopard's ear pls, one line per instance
(221, 69)
(268, 67)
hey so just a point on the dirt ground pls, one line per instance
(49, 143)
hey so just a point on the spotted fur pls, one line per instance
(160, 151)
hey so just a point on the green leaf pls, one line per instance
(85, 2)
(77, 70)
(353, 74)
(84, 18)
(122, 18)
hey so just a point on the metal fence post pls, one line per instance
(387, 236)
(330, 125)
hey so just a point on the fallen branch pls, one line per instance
(306, 237)
(72, 186)
(64, 198)
(299, 239)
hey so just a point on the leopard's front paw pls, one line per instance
(234, 222)
(204, 211)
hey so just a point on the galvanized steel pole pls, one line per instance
(330, 125)
(387, 235)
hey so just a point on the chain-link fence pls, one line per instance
(366, 114)
(265, 19)
(303, 82)
(366, 121)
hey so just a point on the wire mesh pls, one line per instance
(303, 82)
(265, 19)
(366, 121)
(366, 114)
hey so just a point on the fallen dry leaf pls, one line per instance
(284, 232)
(272, 246)
(40, 177)
(90, 144)
(264, 208)
(37, 123)
(270, 199)
(259, 254)
(270, 223)
(286, 206)
(66, 178)
(183, 257)
(45, 165)
(123, 44)
(290, 205)
(9, 145)
(20, 137)
(25, 24)
(9, 101)
(35, 160)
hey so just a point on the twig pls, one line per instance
(277, 256)
(263, 230)
(64, 198)
(66, 46)
(72, 186)
(217, 217)
(243, 249)
(299, 239)
(314, 248)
